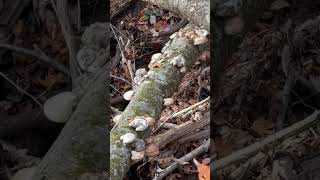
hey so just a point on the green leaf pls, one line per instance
(148, 12)
(158, 14)
(146, 17)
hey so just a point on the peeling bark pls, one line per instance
(198, 11)
(148, 99)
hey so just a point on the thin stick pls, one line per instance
(38, 54)
(22, 90)
(246, 152)
(177, 114)
(128, 62)
(120, 78)
(188, 157)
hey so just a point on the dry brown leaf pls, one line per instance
(263, 126)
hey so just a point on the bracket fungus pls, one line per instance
(59, 108)
(200, 40)
(128, 95)
(168, 101)
(178, 61)
(139, 123)
(128, 138)
(116, 118)
(137, 155)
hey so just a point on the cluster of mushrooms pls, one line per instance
(141, 123)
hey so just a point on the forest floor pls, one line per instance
(271, 82)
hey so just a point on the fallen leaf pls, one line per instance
(203, 170)
(263, 126)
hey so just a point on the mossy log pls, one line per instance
(148, 99)
(197, 11)
(81, 146)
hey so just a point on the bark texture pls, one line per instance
(81, 146)
(148, 99)
(197, 11)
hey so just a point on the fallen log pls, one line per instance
(148, 98)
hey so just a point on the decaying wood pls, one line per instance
(203, 148)
(148, 99)
(81, 145)
(186, 128)
(271, 140)
(195, 136)
(198, 11)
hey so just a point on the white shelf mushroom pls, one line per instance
(59, 108)
(155, 57)
(168, 101)
(200, 40)
(128, 95)
(128, 138)
(139, 123)
(116, 118)
(178, 61)
(137, 155)
(183, 69)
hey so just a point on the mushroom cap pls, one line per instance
(59, 108)
(128, 138)
(168, 101)
(137, 155)
(128, 95)
(140, 123)
(200, 40)
(151, 150)
(150, 120)
(117, 118)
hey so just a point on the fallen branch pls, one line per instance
(195, 136)
(245, 153)
(203, 148)
(186, 128)
(180, 113)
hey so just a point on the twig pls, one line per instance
(195, 136)
(61, 9)
(203, 148)
(120, 78)
(128, 62)
(22, 90)
(38, 54)
(170, 126)
(244, 153)
(177, 114)
(182, 130)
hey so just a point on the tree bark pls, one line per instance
(197, 11)
(81, 146)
